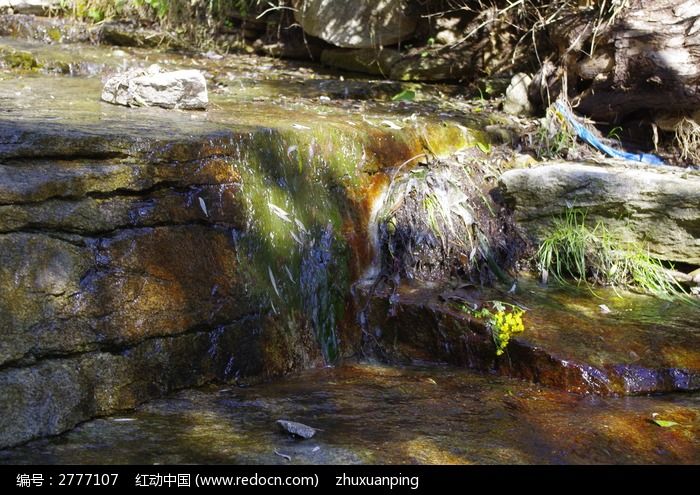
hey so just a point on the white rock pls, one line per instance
(183, 89)
(517, 101)
(298, 429)
(446, 37)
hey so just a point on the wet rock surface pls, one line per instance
(54, 395)
(376, 415)
(656, 207)
(126, 232)
(643, 345)
(44, 29)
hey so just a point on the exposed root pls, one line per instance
(688, 139)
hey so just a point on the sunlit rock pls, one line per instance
(359, 24)
(419, 68)
(182, 89)
(517, 102)
(641, 346)
(36, 7)
(656, 207)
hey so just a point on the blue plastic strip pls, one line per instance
(588, 137)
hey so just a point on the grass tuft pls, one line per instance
(573, 251)
(554, 137)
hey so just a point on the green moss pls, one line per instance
(21, 60)
(450, 137)
(54, 34)
(297, 190)
(302, 188)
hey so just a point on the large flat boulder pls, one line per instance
(657, 207)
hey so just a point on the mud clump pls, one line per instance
(445, 220)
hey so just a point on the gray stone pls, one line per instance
(125, 34)
(656, 207)
(297, 429)
(36, 7)
(447, 30)
(357, 24)
(418, 68)
(183, 89)
(446, 37)
(517, 101)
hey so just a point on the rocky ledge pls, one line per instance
(638, 345)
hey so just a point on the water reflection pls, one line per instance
(374, 414)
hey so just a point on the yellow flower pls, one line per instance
(504, 325)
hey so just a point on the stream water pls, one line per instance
(377, 414)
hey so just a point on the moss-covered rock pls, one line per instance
(19, 59)
(44, 29)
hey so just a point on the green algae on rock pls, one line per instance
(16, 59)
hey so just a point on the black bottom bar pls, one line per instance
(29, 479)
